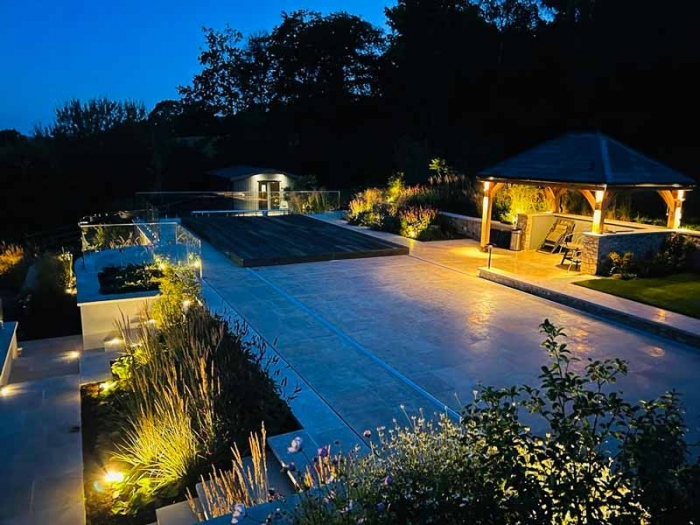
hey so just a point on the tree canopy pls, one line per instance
(471, 81)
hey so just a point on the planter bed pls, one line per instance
(128, 279)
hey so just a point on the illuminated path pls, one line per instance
(372, 334)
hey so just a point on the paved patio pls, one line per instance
(40, 444)
(370, 335)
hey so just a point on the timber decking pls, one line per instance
(287, 239)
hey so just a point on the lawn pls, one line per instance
(678, 293)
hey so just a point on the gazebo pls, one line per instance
(592, 163)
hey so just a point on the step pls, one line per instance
(176, 514)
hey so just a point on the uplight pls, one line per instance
(74, 354)
(107, 386)
(4, 391)
(114, 476)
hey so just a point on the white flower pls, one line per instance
(238, 512)
(295, 445)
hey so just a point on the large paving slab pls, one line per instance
(40, 442)
(372, 334)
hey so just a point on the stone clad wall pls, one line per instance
(470, 227)
(594, 257)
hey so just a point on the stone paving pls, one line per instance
(40, 443)
(371, 335)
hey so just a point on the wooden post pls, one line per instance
(599, 212)
(490, 190)
(674, 202)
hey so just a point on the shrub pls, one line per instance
(672, 257)
(623, 265)
(129, 278)
(597, 458)
(513, 199)
(364, 203)
(12, 261)
(415, 220)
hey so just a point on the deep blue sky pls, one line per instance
(55, 50)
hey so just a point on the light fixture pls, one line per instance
(106, 386)
(4, 391)
(114, 476)
(73, 354)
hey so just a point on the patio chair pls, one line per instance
(572, 249)
(558, 235)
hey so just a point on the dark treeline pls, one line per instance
(471, 81)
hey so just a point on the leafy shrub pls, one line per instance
(364, 203)
(415, 220)
(597, 459)
(672, 257)
(310, 201)
(12, 265)
(129, 278)
(623, 265)
(406, 210)
(513, 199)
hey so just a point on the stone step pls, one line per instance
(176, 514)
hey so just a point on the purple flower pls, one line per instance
(388, 480)
(380, 507)
(367, 433)
(323, 452)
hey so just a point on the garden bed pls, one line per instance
(189, 387)
(129, 278)
(678, 293)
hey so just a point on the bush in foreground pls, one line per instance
(599, 459)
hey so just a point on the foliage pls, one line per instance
(109, 237)
(240, 485)
(513, 199)
(415, 221)
(624, 266)
(129, 278)
(364, 208)
(12, 265)
(672, 257)
(596, 459)
(79, 120)
(188, 387)
(410, 210)
(307, 56)
(311, 201)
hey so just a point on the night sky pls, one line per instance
(55, 50)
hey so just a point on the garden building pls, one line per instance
(255, 188)
(597, 166)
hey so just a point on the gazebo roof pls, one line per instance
(587, 159)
